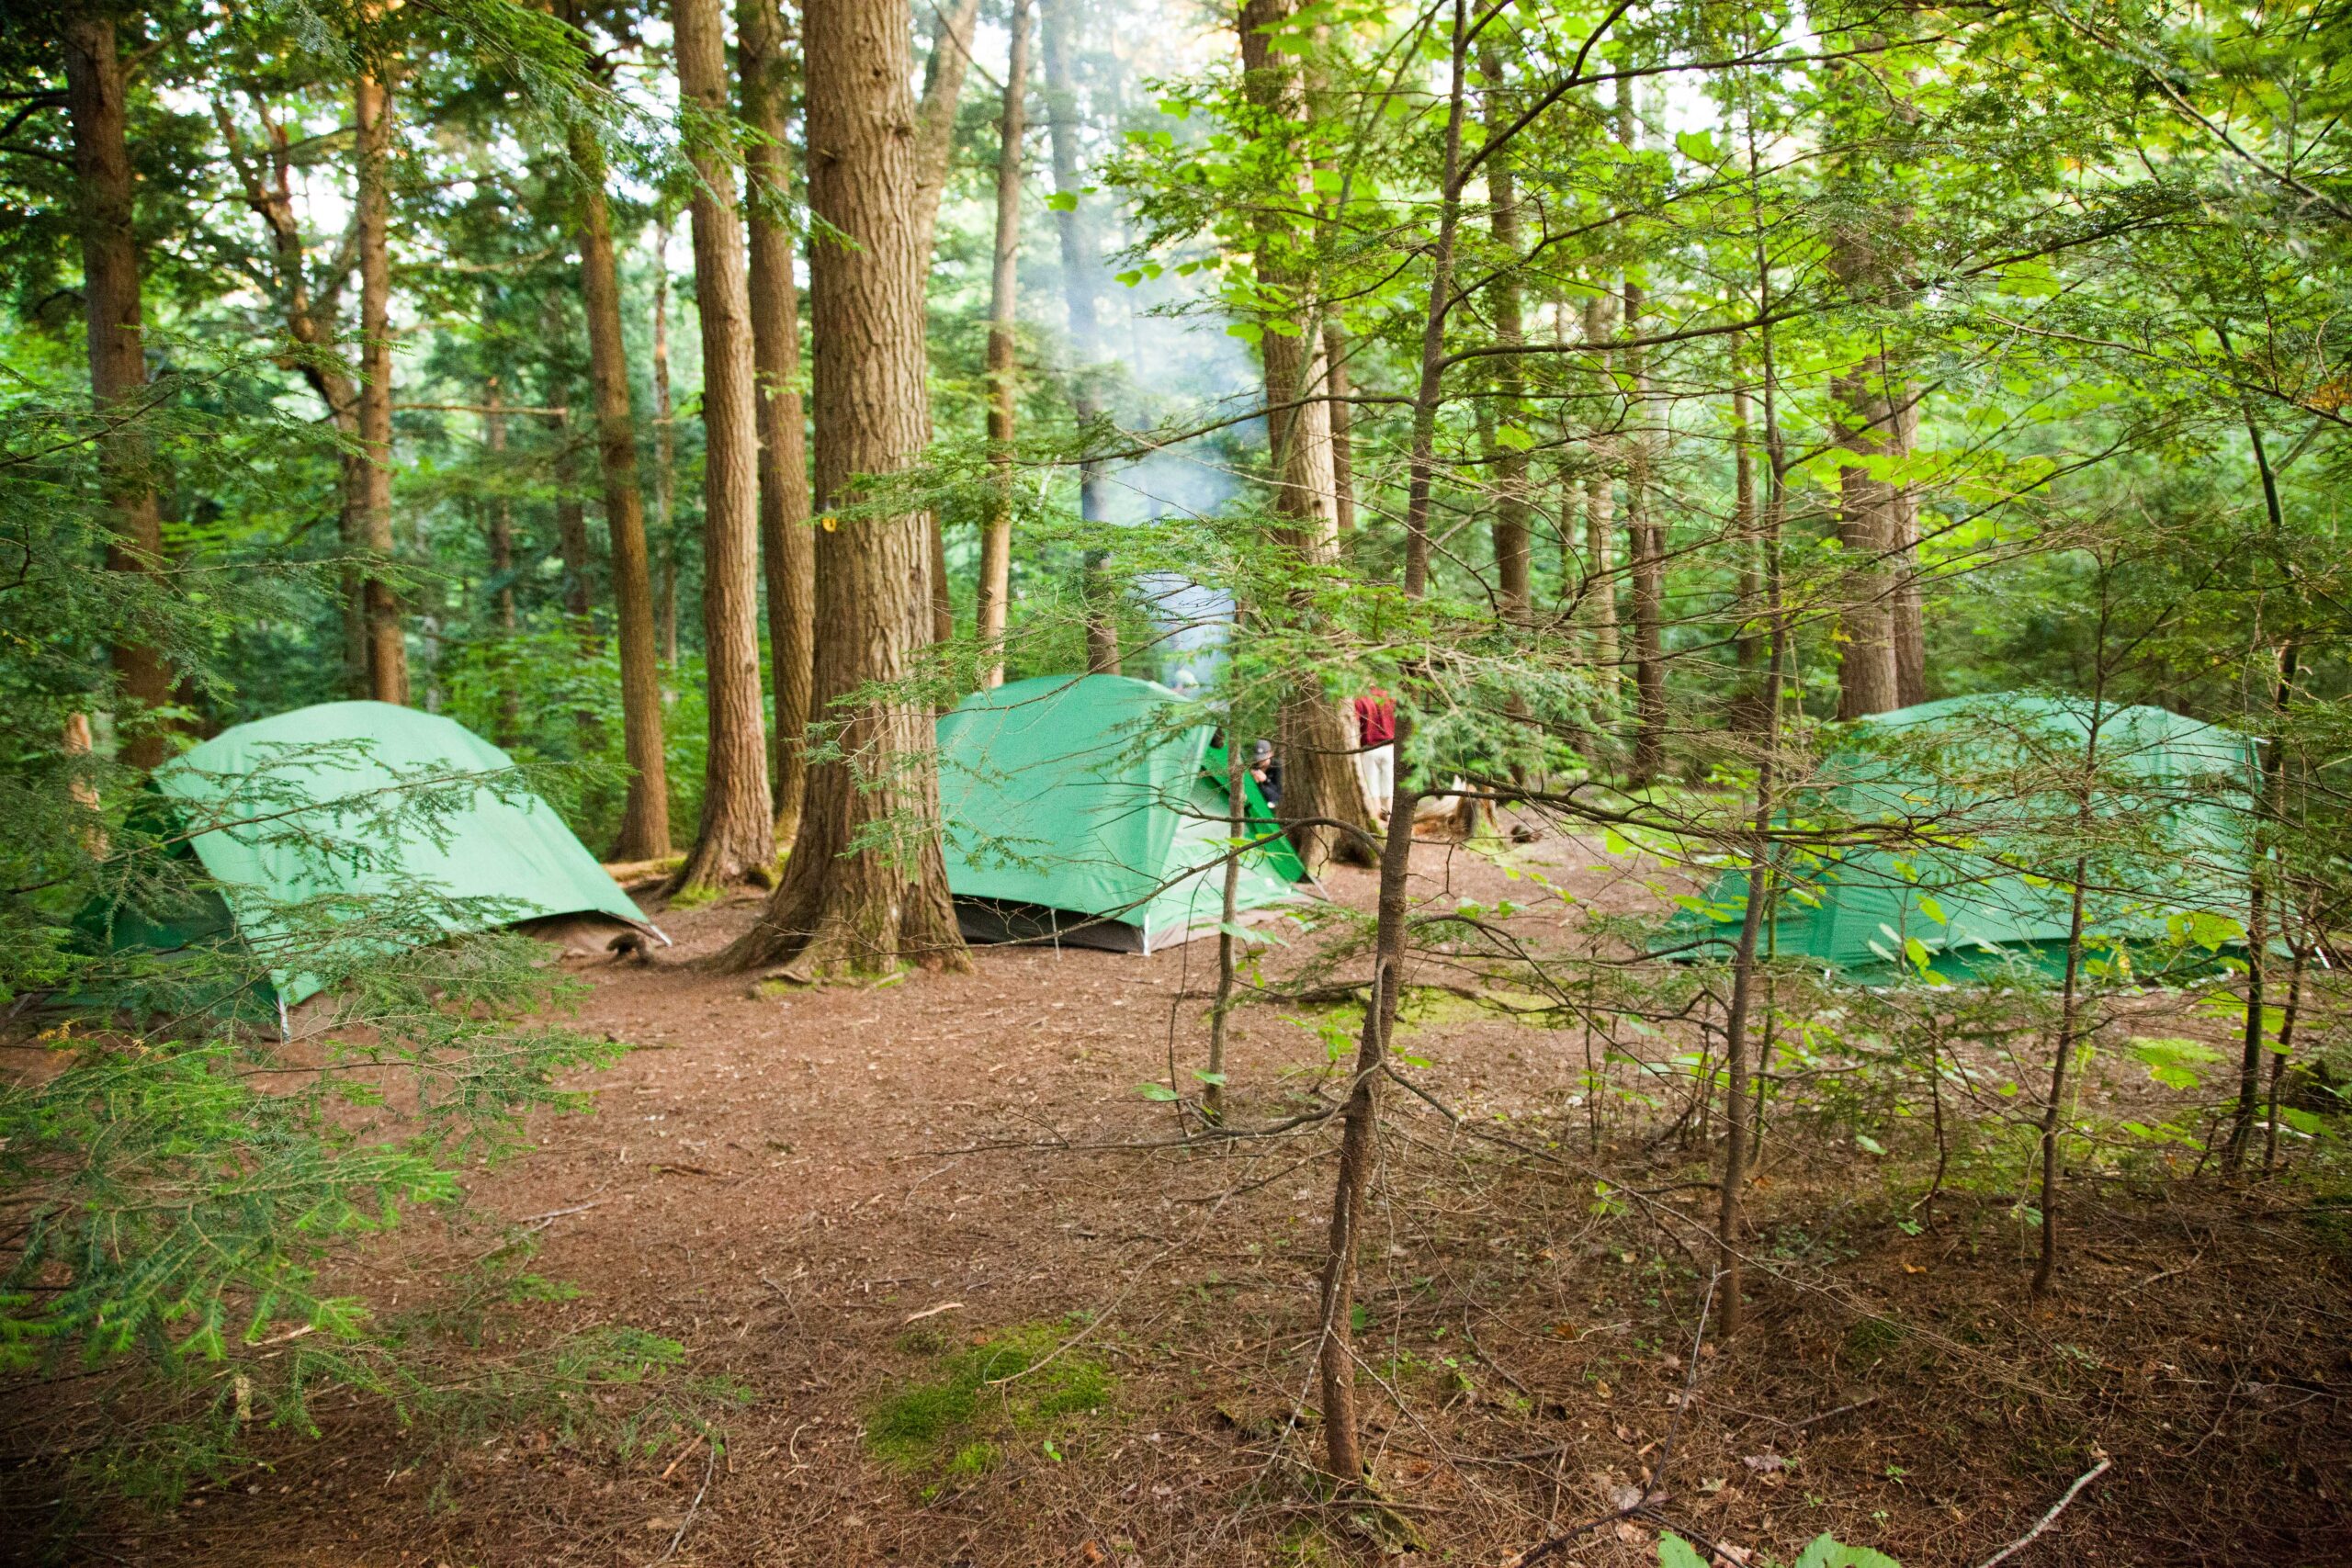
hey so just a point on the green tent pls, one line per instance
(356, 799)
(1082, 810)
(1976, 777)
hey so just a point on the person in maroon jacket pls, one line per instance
(1377, 735)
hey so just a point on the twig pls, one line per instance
(2050, 1518)
(709, 1463)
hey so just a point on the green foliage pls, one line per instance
(1015, 1383)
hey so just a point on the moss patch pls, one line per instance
(955, 1423)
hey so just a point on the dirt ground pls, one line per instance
(834, 1197)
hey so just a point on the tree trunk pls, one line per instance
(1647, 563)
(665, 446)
(847, 903)
(501, 563)
(1644, 542)
(1600, 522)
(1514, 547)
(996, 540)
(311, 322)
(1322, 793)
(1909, 626)
(935, 121)
(2045, 1268)
(738, 832)
(786, 549)
(1335, 1360)
(1742, 1118)
(1078, 280)
(97, 89)
(995, 594)
(2269, 818)
(387, 645)
(1867, 677)
(1342, 416)
(571, 533)
(645, 815)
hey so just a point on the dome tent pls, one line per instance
(1976, 789)
(1082, 810)
(365, 801)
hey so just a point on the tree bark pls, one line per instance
(309, 321)
(572, 530)
(1341, 385)
(1514, 547)
(995, 593)
(943, 90)
(1600, 522)
(737, 831)
(1645, 539)
(387, 643)
(1078, 279)
(1867, 677)
(1646, 566)
(786, 549)
(502, 562)
(848, 903)
(1322, 793)
(1742, 1116)
(97, 94)
(665, 446)
(645, 814)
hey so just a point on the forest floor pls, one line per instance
(862, 1209)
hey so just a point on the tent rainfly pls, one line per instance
(1978, 786)
(303, 801)
(1080, 810)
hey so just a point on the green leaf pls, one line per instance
(1933, 910)
(1412, 1061)
(1673, 1552)
(1248, 332)
(1217, 1078)
(1826, 1552)
(1062, 201)
(1158, 1091)
(2172, 1062)
(1698, 146)
(1869, 1145)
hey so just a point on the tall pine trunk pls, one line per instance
(996, 536)
(97, 90)
(935, 124)
(1601, 520)
(786, 551)
(1339, 379)
(848, 903)
(1323, 796)
(645, 815)
(386, 643)
(738, 832)
(1867, 674)
(665, 448)
(1644, 537)
(1514, 546)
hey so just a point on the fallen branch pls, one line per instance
(2050, 1518)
